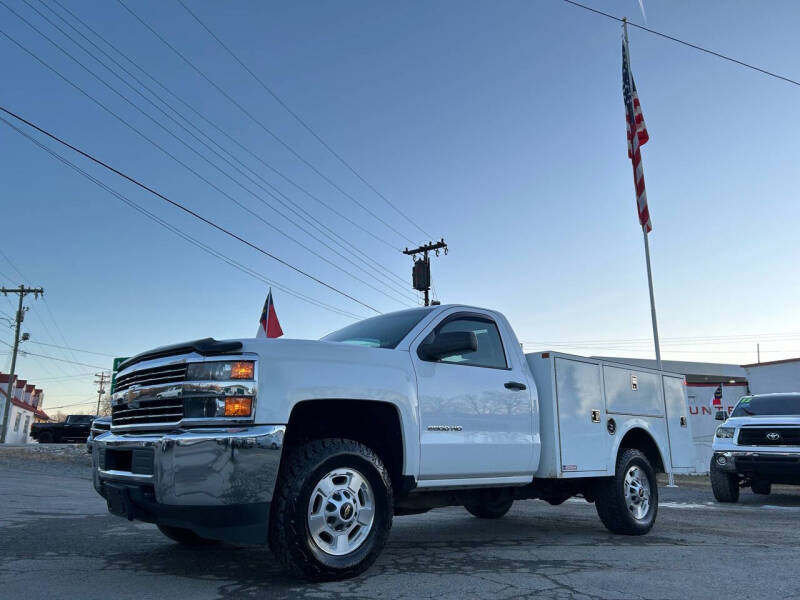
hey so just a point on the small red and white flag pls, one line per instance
(268, 324)
(637, 137)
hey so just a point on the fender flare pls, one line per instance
(640, 424)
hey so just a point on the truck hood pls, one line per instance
(317, 350)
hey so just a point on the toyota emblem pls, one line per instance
(773, 436)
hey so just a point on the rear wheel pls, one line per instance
(332, 510)
(46, 438)
(628, 502)
(187, 537)
(761, 487)
(490, 509)
(724, 485)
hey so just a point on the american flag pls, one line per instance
(635, 125)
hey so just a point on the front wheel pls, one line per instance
(332, 510)
(724, 485)
(628, 502)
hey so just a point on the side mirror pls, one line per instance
(449, 344)
(721, 416)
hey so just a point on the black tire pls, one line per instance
(289, 537)
(610, 496)
(724, 485)
(490, 509)
(187, 537)
(46, 438)
(763, 488)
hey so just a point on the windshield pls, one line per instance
(772, 404)
(384, 331)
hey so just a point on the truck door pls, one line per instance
(681, 444)
(475, 408)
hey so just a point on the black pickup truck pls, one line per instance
(74, 429)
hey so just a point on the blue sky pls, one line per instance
(498, 125)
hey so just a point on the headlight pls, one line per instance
(220, 371)
(725, 432)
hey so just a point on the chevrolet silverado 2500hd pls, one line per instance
(314, 446)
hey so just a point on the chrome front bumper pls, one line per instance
(201, 479)
(742, 461)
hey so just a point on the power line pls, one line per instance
(181, 206)
(222, 132)
(25, 352)
(216, 127)
(41, 321)
(294, 208)
(741, 338)
(260, 123)
(157, 145)
(89, 401)
(73, 349)
(617, 348)
(271, 192)
(685, 43)
(178, 232)
(76, 376)
(305, 125)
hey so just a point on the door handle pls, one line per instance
(516, 386)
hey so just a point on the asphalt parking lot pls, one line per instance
(57, 541)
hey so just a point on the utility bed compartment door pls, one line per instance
(632, 392)
(584, 442)
(681, 442)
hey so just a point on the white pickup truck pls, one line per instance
(314, 446)
(757, 446)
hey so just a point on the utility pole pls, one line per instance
(20, 316)
(758, 353)
(100, 380)
(421, 272)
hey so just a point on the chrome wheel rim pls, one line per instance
(341, 510)
(637, 493)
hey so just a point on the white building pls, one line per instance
(26, 399)
(774, 376)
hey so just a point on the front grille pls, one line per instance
(769, 436)
(148, 411)
(153, 376)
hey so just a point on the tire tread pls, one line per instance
(611, 508)
(287, 537)
(724, 485)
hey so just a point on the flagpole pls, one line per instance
(652, 298)
(644, 230)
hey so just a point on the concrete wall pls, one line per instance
(774, 377)
(701, 416)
